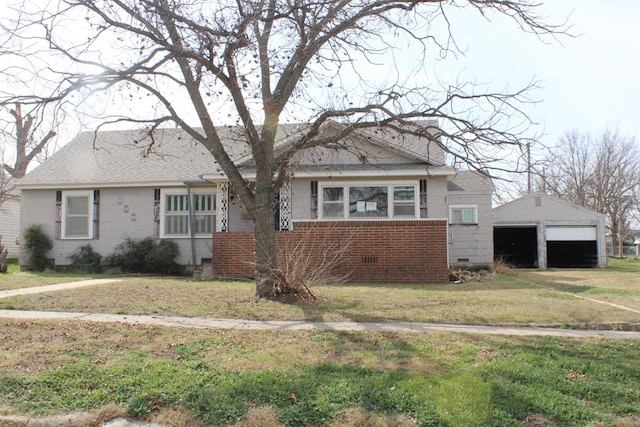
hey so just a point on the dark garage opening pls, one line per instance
(517, 246)
(572, 254)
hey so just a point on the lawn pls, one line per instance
(185, 377)
(529, 297)
(15, 279)
(313, 377)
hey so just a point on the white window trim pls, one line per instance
(179, 192)
(463, 207)
(390, 201)
(91, 215)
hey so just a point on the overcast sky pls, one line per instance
(588, 82)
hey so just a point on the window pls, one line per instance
(381, 201)
(77, 214)
(463, 215)
(369, 202)
(333, 202)
(175, 214)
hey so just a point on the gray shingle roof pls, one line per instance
(470, 182)
(114, 157)
(118, 157)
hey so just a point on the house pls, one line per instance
(542, 231)
(10, 224)
(404, 212)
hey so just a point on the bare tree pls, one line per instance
(28, 144)
(264, 61)
(600, 173)
(28, 137)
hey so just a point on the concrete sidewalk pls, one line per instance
(208, 323)
(56, 287)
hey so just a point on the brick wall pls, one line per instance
(379, 251)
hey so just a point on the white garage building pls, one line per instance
(541, 231)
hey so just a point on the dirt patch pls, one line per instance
(93, 418)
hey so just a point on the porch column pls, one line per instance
(222, 211)
(286, 223)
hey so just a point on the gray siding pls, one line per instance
(10, 225)
(115, 225)
(473, 242)
(437, 197)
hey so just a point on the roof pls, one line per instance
(118, 158)
(470, 182)
(528, 197)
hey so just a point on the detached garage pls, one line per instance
(541, 231)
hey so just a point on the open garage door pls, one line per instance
(572, 247)
(517, 246)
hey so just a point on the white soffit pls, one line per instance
(565, 234)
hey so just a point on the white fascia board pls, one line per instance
(82, 185)
(424, 171)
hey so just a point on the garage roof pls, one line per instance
(540, 206)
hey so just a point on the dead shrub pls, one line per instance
(501, 266)
(307, 262)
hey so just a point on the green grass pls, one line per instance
(435, 379)
(320, 377)
(627, 265)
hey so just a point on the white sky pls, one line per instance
(588, 82)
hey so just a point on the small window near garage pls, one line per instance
(463, 215)
(77, 214)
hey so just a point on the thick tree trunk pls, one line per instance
(265, 236)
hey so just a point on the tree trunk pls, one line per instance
(265, 236)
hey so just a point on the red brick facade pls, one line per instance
(379, 251)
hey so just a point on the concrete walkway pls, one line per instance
(208, 323)
(56, 287)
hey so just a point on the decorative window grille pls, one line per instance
(223, 206)
(423, 198)
(96, 214)
(285, 206)
(314, 199)
(156, 212)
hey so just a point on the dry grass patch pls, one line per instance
(19, 280)
(525, 298)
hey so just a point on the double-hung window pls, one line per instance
(467, 214)
(77, 214)
(368, 201)
(175, 214)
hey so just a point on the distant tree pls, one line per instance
(262, 61)
(599, 172)
(28, 137)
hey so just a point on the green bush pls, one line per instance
(38, 245)
(145, 256)
(86, 260)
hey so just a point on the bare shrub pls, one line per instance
(4, 254)
(309, 261)
(501, 266)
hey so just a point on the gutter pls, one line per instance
(192, 239)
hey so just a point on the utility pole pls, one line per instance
(528, 168)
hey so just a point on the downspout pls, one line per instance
(191, 230)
